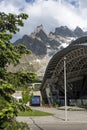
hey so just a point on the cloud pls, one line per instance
(30, 1)
(83, 3)
(50, 13)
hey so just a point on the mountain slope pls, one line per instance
(44, 46)
(41, 43)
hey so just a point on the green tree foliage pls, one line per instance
(22, 49)
(21, 79)
(26, 96)
(9, 24)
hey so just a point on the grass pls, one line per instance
(34, 113)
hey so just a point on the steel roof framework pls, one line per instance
(76, 67)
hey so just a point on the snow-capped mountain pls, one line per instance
(44, 46)
(42, 43)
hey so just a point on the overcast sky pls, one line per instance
(49, 13)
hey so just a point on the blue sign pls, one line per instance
(35, 100)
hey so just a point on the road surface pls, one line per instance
(77, 120)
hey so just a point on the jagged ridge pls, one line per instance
(41, 43)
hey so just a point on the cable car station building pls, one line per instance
(52, 88)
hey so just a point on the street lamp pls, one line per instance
(65, 88)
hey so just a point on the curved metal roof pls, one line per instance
(80, 40)
(76, 62)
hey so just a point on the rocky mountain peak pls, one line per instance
(44, 45)
(39, 33)
(41, 43)
(64, 31)
(39, 28)
(78, 31)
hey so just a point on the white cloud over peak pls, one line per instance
(49, 13)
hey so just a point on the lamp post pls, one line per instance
(65, 89)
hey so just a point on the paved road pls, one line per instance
(74, 116)
(60, 126)
(77, 120)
